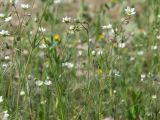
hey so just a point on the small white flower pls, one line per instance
(25, 6)
(140, 53)
(47, 82)
(93, 52)
(67, 64)
(100, 52)
(109, 26)
(4, 32)
(90, 40)
(154, 47)
(4, 65)
(2, 15)
(39, 83)
(5, 115)
(6, 57)
(158, 37)
(8, 19)
(121, 45)
(72, 27)
(22, 93)
(1, 99)
(42, 46)
(114, 91)
(57, 1)
(130, 11)
(80, 53)
(41, 29)
(66, 19)
(43, 102)
(132, 59)
(154, 96)
(143, 76)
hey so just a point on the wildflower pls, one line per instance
(56, 37)
(121, 45)
(5, 115)
(132, 59)
(4, 32)
(1, 99)
(80, 53)
(39, 83)
(154, 47)
(47, 82)
(22, 93)
(25, 6)
(43, 102)
(140, 53)
(72, 27)
(57, 1)
(66, 19)
(142, 77)
(67, 64)
(2, 15)
(90, 40)
(41, 29)
(130, 11)
(101, 36)
(99, 71)
(6, 57)
(158, 37)
(8, 19)
(109, 26)
(100, 52)
(42, 46)
(154, 96)
(93, 53)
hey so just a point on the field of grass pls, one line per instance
(80, 60)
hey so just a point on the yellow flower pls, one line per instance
(56, 37)
(99, 71)
(102, 36)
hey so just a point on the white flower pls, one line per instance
(6, 57)
(42, 46)
(22, 93)
(4, 65)
(93, 52)
(158, 37)
(72, 27)
(143, 76)
(154, 47)
(43, 102)
(67, 64)
(41, 29)
(140, 53)
(4, 32)
(80, 53)
(2, 15)
(66, 19)
(39, 83)
(154, 96)
(109, 26)
(25, 6)
(5, 115)
(100, 52)
(1, 99)
(7, 19)
(48, 82)
(121, 45)
(57, 1)
(130, 11)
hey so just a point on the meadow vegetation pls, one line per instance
(80, 60)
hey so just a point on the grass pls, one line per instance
(75, 70)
